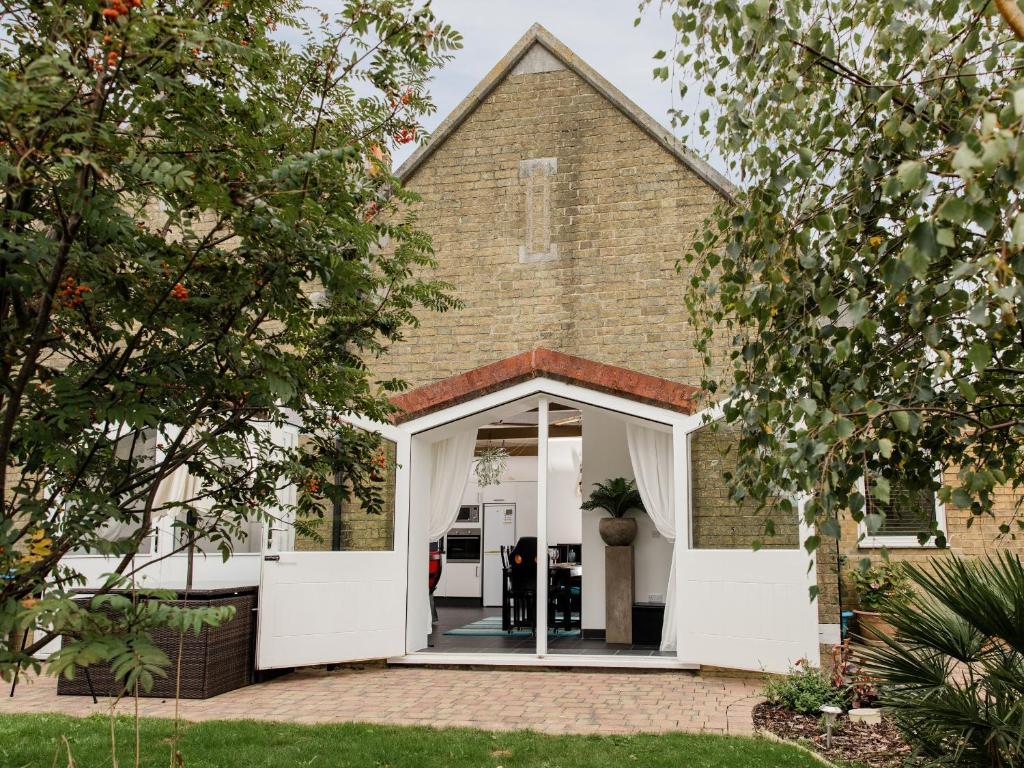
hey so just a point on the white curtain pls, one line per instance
(178, 486)
(650, 452)
(452, 462)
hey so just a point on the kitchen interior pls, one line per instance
(485, 595)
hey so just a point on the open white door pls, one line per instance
(746, 610)
(737, 608)
(319, 604)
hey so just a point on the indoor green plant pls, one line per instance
(616, 496)
(875, 586)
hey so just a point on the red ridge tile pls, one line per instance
(546, 363)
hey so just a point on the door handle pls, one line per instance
(271, 558)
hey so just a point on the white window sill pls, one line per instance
(895, 542)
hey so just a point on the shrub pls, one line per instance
(805, 690)
(953, 677)
(875, 585)
(848, 675)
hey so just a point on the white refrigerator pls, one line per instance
(499, 531)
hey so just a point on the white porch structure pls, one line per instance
(738, 608)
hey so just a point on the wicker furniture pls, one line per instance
(217, 660)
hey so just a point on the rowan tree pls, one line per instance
(200, 239)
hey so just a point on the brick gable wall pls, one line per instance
(622, 211)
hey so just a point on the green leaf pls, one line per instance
(965, 160)
(917, 261)
(885, 447)
(923, 236)
(901, 420)
(880, 489)
(830, 528)
(961, 498)
(1017, 232)
(911, 174)
(955, 209)
(980, 355)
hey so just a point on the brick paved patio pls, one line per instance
(547, 701)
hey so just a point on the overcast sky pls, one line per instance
(599, 31)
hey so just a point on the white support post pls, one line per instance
(681, 502)
(542, 527)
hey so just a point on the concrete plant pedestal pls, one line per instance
(618, 594)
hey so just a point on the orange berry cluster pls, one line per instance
(116, 8)
(179, 291)
(72, 294)
(405, 98)
(405, 135)
(371, 210)
(313, 484)
(381, 460)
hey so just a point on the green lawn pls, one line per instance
(32, 740)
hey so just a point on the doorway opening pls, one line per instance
(486, 597)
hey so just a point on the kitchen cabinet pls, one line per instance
(461, 580)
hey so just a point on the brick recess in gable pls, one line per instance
(544, 363)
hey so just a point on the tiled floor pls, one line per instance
(450, 617)
(547, 701)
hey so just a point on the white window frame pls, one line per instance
(865, 540)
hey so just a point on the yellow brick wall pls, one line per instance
(719, 522)
(622, 211)
(361, 531)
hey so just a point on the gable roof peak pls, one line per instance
(545, 363)
(537, 34)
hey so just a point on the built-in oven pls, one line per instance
(462, 545)
(469, 513)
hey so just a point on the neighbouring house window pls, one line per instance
(535, 177)
(909, 512)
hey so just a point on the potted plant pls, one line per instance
(616, 496)
(885, 583)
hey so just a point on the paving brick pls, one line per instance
(546, 701)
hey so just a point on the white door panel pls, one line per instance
(327, 607)
(747, 610)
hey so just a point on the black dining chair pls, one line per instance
(522, 584)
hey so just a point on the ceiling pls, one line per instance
(518, 433)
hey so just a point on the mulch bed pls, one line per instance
(877, 746)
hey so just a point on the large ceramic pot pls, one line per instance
(869, 622)
(617, 531)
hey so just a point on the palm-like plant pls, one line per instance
(616, 496)
(953, 675)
